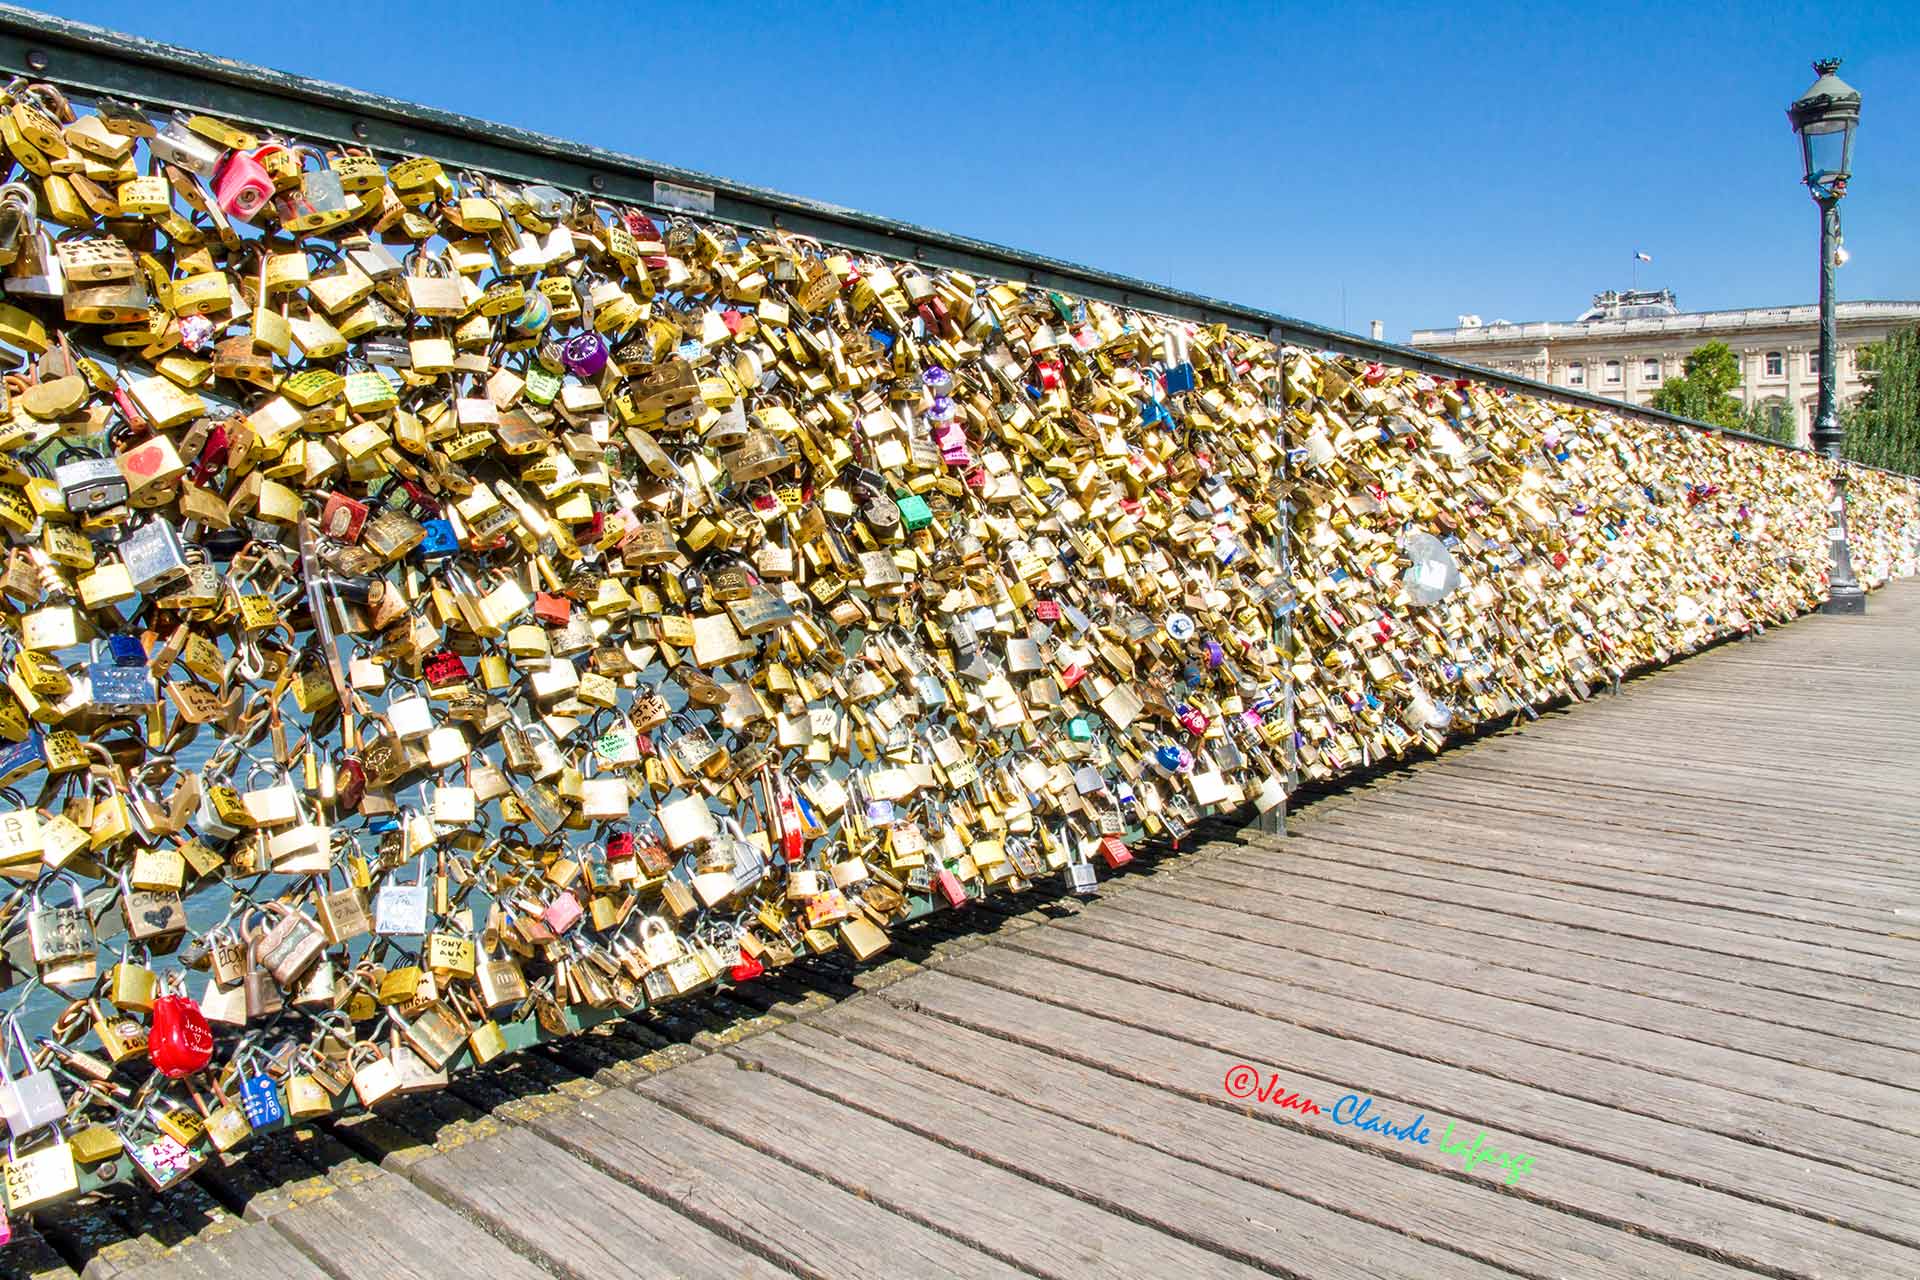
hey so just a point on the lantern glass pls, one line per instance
(1827, 150)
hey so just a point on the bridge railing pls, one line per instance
(453, 657)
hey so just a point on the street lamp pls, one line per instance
(1825, 117)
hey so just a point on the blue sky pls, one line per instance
(1340, 163)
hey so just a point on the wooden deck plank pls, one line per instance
(1253, 969)
(1546, 950)
(1865, 1145)
(249, 1252)
(1731, 836)
(1528, 978)
(1167, 1193)
(1831, 1005)
(1564, 754)
(1666, 1146)
(550, 1204)
(1684, 862)
(1451, 860)
(1429, 859)
(1748, 867)
(1031, 1225)
(1771, 792)
(1778, 1219)
(1573, 930)
(1876, 839)
(807, 1224)
(390, 1228)
(1303, 1160)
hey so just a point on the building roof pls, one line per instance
(1686, 322)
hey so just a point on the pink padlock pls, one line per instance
(1194, 719)
(242, 187)
(563, 912)
(950, 888)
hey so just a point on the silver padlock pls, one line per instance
(694, 747)
(37, 272)
(113, 685)
(1081, 878)
(178, 145)
(30, 1100)
(373, 258)
(89, 484)
(547, 757)
(410, 714)
(319, 201)
(153, 555)
(400, 910)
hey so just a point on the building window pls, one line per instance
(1650, 369)
(1577, 374)
(1813, 364)
(1776, 365)
(1776, 415)
(1613, 373)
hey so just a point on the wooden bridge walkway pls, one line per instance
(1661, 950)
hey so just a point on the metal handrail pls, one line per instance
(93, 59)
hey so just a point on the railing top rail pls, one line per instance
(95, 59)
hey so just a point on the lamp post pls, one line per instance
(1825, 118)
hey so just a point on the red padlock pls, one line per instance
(747, 970)
(444, 667)
(640, 226)
(213, 454)
(349, 784)
(180, 1042)
(242, 187)
(551, 609)
(342, 518)
(619, 846)
(1115, 851)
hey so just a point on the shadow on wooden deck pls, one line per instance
(1643, 975)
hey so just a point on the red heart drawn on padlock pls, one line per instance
(143, 461)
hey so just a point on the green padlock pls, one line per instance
(915, 514)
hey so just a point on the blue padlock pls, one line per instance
(127, 650)
(18, 759)
(260, 1103)
(440, 541)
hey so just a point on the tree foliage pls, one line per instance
(1705, 389)
(1883, 425)
(1763, 421)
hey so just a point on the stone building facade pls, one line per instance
(1629, 344)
